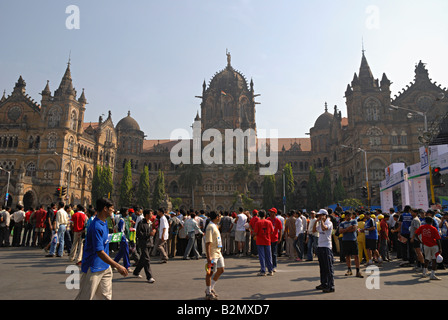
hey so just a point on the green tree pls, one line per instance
(176, 202)
(312, 191)
(325, 195)
(352, 203)
(126, 193)
(97, 192)
(289, 186)
(190, 176)
(268, 191)
(159, 190)
(243, 173)
(144, 191)
(339, 191)
(107, 182)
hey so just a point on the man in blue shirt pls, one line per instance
(348, 229)
(371, 232)
(96, 278)
(404, 223)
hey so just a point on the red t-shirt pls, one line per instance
(253, 222)
(384, 232)
(429, 233)
(263, 229)
(278, 226)
(28, 215)
(41, 215)
(78, 219)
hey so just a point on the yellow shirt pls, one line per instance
(361, 235)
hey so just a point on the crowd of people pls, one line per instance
(134, 235)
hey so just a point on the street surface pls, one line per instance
(26, 274)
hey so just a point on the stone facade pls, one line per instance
(48, 145)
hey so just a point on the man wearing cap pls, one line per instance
(324, 251)
(431, 245)
(348, 229)
(371, 232)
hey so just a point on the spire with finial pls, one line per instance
(4, 96)
(82, 97)
(365, 74)
(326, 107)
(46, 91)
(20, 86)
(66, 85)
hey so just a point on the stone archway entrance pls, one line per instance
(28, 200)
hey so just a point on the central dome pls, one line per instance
(128, 123)
(228, 79)
(323, 121)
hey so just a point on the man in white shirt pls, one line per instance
(324, 251)
(300, 234)
(240, 231)
(60, 225)
(18, 217)
(163, 235)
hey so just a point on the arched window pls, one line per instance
(372, 109)
(73, 121)
(54, 117)
(30, 170)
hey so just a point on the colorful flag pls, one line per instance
(223, 93)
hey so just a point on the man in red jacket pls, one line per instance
(276, 235)
(262, 232)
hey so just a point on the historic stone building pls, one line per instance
(48, 145)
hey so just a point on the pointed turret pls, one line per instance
(46, 92)
(3, 97)
(421, 73)
(356, 83)
(66, 85)
(366, 78)
(20, 86)
(82, 98)
(385, 82)
(197, 118)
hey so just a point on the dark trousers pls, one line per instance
(17, 234)
(407, 252)
(144, 263)
(325, 257)
(274, 253)
(4, 236)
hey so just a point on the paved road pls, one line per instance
(26, 274)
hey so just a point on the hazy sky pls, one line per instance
(151, 57)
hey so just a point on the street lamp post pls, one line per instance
(7, 185)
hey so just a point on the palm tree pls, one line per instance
(190, 176)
